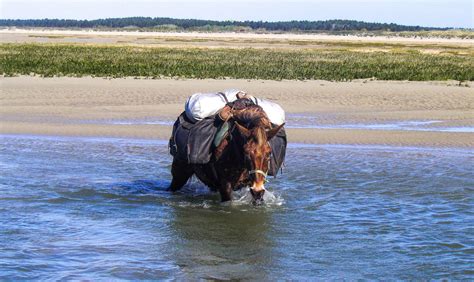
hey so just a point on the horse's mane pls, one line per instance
(260, 135)
(254, 118)
(251, 117)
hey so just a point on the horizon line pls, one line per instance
(242, 21)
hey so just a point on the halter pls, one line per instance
(259, 171)
(255, 171)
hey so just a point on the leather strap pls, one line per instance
(223, 96)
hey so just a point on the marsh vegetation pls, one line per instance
(344, 62)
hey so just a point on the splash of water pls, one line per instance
(244, 197)
(241, 197)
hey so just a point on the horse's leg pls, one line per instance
(225, 190)
(181, 172)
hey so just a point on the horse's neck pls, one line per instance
(234, 149)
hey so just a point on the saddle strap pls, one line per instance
(223, 96)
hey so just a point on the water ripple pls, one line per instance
(98, 209)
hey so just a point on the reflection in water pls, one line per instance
(222, 242)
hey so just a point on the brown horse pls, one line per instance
(241, 160)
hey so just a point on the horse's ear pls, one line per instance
(272, 132)
(244, 131)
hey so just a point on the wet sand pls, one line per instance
(85, 107)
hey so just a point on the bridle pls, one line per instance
(259, 171)
(254, 171)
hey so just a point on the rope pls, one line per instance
(255, 171)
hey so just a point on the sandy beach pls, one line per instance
(318, 112)
(18, 33)
(233, 40)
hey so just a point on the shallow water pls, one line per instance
(313, 122)
(316, 122)
(91, 208)
(292, 121)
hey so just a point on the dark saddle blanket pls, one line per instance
(194, 142)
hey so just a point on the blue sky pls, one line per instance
(437, 13)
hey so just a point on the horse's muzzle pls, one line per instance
(257, 195)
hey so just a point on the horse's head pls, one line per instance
(257, 152)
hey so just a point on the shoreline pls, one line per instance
(303, 136)
(164, 142)
(65, 107)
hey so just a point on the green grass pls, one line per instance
(273, 64)
(47, 36)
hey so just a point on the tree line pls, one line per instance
(189, 24)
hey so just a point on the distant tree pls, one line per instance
(147, 22)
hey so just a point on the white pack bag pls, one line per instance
(275, 113)
(203, 105)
